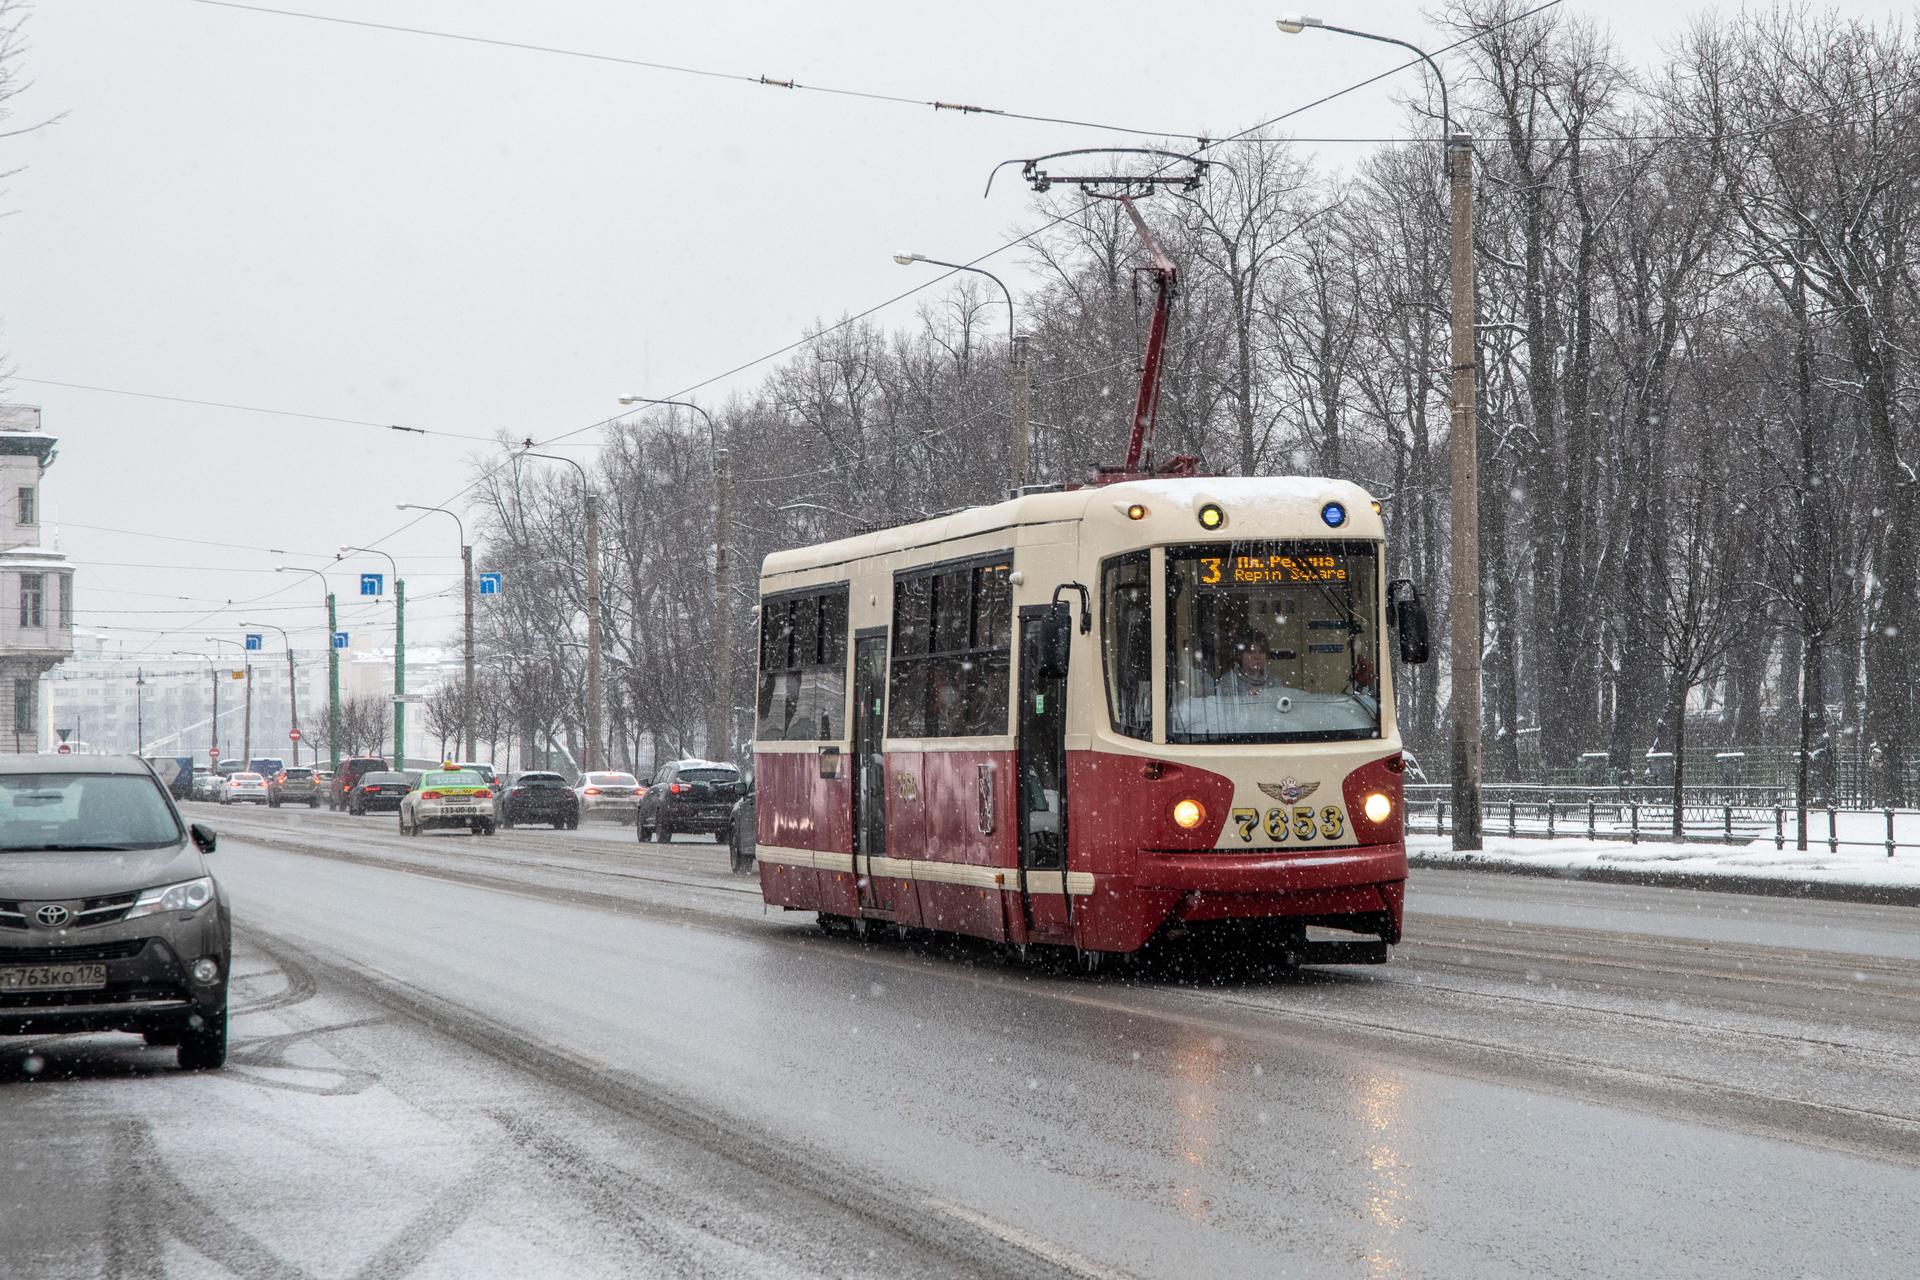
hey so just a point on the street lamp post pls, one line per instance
(213, 724)
(466, 569)
(333, 667)
(1019, 427)
(1463, 454)
(293, 688)
(399, 655)
(246, 724)
(591, 501)
(720, 713)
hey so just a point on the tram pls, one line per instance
(1092, 717)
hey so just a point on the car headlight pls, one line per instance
(189, 895)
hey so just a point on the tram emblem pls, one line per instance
(1289, 790)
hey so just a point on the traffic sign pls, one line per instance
(64, 749)
(64, 734)
(213, 753)
(490, 583)
(293, 735)
(373, 584)
(253, 641)
(339, 639)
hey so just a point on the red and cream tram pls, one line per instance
(1088, 717)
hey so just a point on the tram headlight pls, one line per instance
(1189, 813)
(1137, 511)
(1211, 516)
(1378, 806)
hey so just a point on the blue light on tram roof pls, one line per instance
(1334, 514)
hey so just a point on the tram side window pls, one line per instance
(952, 645)
(1126, 642)
(803, 667)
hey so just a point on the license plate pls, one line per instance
(54, 977)
(456, 810)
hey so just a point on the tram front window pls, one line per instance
(1273, 642)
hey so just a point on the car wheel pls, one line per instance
(313, 804)
(164, 1036)
(573, 823)
(724, 837)
(662, 832)
(488, 828)
(507, 821)
(204, 1048)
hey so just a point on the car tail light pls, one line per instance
(590, 791)
(371, 790)
(432, 795)
(517, 791)
(673, 789)
(483, 794)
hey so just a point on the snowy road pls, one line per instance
(568, 1054)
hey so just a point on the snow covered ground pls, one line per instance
(1860, 863)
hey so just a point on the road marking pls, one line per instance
(1061, 1257)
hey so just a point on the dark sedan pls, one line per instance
(378, 792)
(540, 797)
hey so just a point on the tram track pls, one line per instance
(1647, 988)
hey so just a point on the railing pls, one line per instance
(1636, 814)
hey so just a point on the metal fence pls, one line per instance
(1737, 815)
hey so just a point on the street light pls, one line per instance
(246, 722)
(333, 666)
(293, 689)
(720, 713)
(466, 568)
(399, 655)
(591, 501)
(1465, 637)
(1018, 426)
(213, 725)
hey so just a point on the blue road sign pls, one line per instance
(253, 641)
(490, 584)
(373, 584)
(339, 639)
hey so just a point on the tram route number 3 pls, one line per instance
(1302, 822)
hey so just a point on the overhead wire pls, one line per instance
(250, 408)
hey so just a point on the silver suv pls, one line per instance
(109, 920)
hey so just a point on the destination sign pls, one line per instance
(1275, 570)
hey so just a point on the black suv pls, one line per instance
(689, 795)
(540, 797)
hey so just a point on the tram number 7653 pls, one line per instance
(1301, 822)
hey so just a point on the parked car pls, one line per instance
(109, 920)
(245, 788)
(348, 776)
(608, 795)
(446, 799)
(293, 785)
(539, 797)
(378, 792)
(689, 795)
(741, 831)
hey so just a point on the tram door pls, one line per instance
(1042, 739)
(869, 761)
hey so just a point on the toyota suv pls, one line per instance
(109, 920)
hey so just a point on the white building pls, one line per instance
(37, 635)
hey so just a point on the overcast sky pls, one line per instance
(331, 220)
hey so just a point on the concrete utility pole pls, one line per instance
(467, 714)
(720, 712)
(1018, 432)
(1464, 635)
(590, 753)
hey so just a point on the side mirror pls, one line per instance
(203, 837)
(1056, 640)
(1407, 614)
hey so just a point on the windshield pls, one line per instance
(1272, 641)
(84, 811)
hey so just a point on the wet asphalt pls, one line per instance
(570, 1054)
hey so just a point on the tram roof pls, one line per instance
(1256, 506)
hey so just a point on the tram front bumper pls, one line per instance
(1355, 888)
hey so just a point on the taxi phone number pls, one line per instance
(1302, 822)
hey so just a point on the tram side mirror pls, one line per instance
(1056, 640)
(1407, 612)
